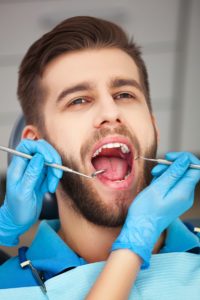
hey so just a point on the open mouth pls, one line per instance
(116, 158)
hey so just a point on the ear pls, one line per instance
(156, 128)
(30, 132)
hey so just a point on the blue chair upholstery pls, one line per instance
(49, 209)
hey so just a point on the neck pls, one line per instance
(89, 241)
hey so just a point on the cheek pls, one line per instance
(66, 136)
(142, 126)
(147, 133)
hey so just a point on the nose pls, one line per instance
(108, 113)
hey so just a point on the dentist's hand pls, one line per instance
(27, 182)
(165, 199)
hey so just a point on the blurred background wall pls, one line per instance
(168, 32)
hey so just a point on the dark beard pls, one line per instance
(84, 198)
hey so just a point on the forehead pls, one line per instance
(93, 65)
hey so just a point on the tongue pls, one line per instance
(116, 167)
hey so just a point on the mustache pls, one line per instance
(104, 132)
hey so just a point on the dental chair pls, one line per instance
(50, 208)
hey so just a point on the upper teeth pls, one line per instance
(124, 148)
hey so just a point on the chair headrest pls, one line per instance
(15, 136)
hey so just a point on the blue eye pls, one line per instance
(78, 101)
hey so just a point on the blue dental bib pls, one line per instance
(171, 276)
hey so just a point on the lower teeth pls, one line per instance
(124, 178)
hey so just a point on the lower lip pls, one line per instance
(122, 185)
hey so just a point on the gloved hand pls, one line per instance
(27, 182)
(165, 199)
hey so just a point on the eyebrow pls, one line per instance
(84, 86)
(119, 82)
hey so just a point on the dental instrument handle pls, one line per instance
(167, 162)
(65, 169)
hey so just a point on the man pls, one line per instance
(83, 87)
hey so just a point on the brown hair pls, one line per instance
(76, 33)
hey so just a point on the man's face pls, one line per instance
(96, 116)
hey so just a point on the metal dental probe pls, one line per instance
(166, 162)
(65, 169)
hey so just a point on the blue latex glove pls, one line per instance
(27, 182)
(165, 199)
